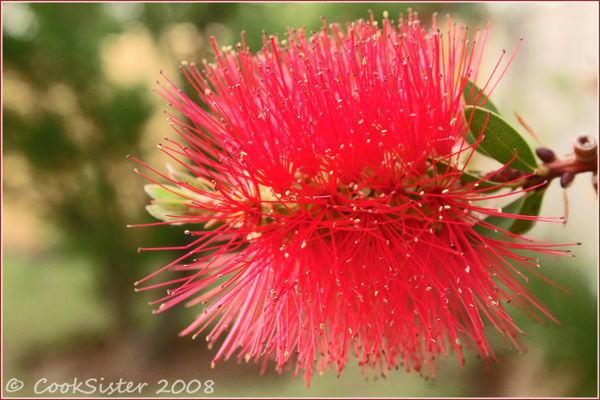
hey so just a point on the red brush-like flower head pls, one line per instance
(330, 170)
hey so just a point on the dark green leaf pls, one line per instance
(500, 139)
(528, 204)
(470, 87)
(441, 167)
(503, 223)
(532, 206)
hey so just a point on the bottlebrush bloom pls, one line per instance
(332, 213)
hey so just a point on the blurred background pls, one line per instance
(77, 99)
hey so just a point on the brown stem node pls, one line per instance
(586, 148)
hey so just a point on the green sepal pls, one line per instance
(500, 139)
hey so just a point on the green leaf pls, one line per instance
(160, 213)
(164, 192)
(441, 167)
(170, 210)
(169, 192)
(500, 139)
(194, 181)
(532, 206)
(173, 200)
(503, 223)
(528, 204)
(470, 87)
(174, 207)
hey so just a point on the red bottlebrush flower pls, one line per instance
(342, 220)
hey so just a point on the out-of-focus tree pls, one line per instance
(73, 152)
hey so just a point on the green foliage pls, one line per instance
(500, 140)
(465, 176)
(72, 166)
(171, 203)
(531, 206)
(528, 204)
(470, 96)
(500, 143)
(42, 141)
(165, 192)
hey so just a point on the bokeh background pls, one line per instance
(77, 98)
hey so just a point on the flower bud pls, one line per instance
(566, 179)
(544, 154)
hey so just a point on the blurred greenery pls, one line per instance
(77, 99)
